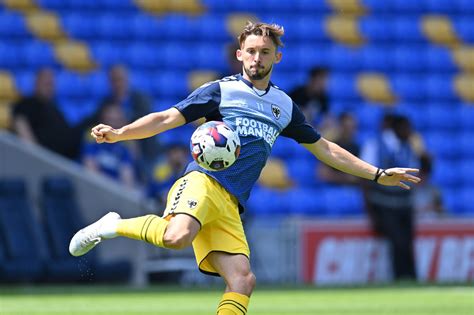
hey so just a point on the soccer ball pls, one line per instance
(215, 146)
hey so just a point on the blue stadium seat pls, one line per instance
(114, 27)
(143, 56)
(178, 55)
(13, 25)
(53, 4)
(440, 88)
(98, 84)
(443, 117)
(343, 86)
(467, 199)
(143, 81)
(146, 27)
(218, 6)
(75, 110)
(408, 30)
(62, 219)
(171, 84)
(377, 6)
(25, 81)
(465, 29)
(178, 27)
(302, 171)
(377, 58)
(466, 116)
(439, 59)
(37, 54)
(69, 84)
(368, 116)
(445, 173)
(80, 26)
(376, 29)
(441, 7)
(343, 59)
(465, 6)
(416, 112)
(343, 201)
(466, 140)
(9, 56)
(211, 56)
(309, 28)
(308, 56)
(465, 172)
(410, 88)
(20, 231)
(306, 201)
(264, 201)
(211, 28)
(410, 58)
(403, 6)
(117, 6)
(311, 7)
(439, 144)
(108, 54)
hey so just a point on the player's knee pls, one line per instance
(250, 281)
(243, 283)
(177, 239)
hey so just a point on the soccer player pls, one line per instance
(203, 207)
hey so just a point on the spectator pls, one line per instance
(38, 119)
(111, 159)
(427, 197)
(134, 104)
(166, 171)
(391, 208)
(312, 97)
(345, 137)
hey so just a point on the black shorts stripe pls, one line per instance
(229, 303)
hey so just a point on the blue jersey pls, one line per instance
(259, 117)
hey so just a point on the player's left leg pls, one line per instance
(240, 281)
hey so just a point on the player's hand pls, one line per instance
(399, 177)
(104, 133)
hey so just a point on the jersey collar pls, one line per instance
(250, 85)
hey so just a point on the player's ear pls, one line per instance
(238, 54)
(279, 55)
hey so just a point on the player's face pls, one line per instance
(258, 54)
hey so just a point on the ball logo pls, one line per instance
(276, 111)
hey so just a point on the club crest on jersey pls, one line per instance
(276, 111)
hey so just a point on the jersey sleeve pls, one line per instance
(298, 129)
(203, 102)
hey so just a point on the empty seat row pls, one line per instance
(37, 250)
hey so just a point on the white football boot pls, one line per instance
(87, 238)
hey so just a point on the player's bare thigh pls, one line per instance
(181, 231)
(235, 269)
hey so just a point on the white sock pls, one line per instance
(109, 229)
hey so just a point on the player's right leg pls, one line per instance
(176, 230)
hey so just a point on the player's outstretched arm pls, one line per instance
(335, 156)
(144, 127)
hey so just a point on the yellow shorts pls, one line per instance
(200, 196)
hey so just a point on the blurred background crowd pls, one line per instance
(390, 81)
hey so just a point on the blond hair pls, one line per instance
(274, 31)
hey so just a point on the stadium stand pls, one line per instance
(62, 218)
(413, 57)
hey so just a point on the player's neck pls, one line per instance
(258, 84)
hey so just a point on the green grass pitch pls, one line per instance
(175, 301)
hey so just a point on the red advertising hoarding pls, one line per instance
(336, 253)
